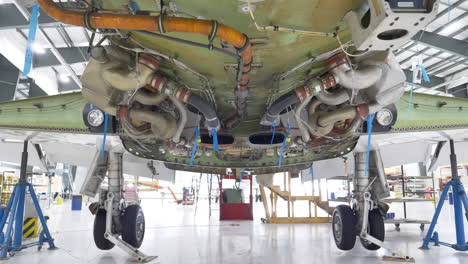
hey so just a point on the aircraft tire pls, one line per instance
(344, 227)
(99, 230)
(376, 228)
(133, 225)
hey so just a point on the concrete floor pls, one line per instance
(177, 235)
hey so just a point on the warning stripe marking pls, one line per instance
(29, 227)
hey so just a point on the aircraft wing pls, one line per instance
(56, 124)
(65, 137)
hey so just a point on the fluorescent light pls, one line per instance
(37, 48)
(64, 78)
(12, 140)
(451, 28)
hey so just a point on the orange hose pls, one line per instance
(150, 23)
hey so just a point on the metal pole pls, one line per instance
(457, 203)
(18, 236)
(453, 161)
(403, 189)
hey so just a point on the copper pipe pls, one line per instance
(150, 23)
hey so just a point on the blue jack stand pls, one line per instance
(459, 201)
(14, 212)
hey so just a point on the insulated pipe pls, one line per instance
(341, 114)
(298, 95)
(123, 79)
(322, 123)
(359, 79)
(148, 98)
(333, 98)
(304, 132)
(162, 125)
(182, 120)
(159, 23)
(170, 88)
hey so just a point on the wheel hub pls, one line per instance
(140, 226)
(338, 225)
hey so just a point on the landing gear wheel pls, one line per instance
(133, 224)
(421, 227)
(397, 227)
(99, 230)
(344, 227)
(375, 228)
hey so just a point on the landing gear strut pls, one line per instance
(116, 223)
(365, 217)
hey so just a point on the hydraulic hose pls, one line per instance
(211, 120)
(298, 95)
(273, 112)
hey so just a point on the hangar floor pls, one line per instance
(177, 236)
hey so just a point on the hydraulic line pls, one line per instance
(192, 43)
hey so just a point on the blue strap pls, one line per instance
(283, 146)
(426, 78)
(195, 144)
(273, 132)
(134, 6)
(215, 139)
(106, 121)
(369, 139)
(31, 37)
(424, 73)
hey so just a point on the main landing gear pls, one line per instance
(364, 219)
(116, 222)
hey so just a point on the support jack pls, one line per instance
(459, 201)
(11, 241)
(396, 255)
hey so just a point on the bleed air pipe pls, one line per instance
(161, 24)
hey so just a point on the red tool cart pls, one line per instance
(237, 210)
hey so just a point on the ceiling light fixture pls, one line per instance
(37, 48)
(64, 78)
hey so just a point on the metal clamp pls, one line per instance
(86, 20)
